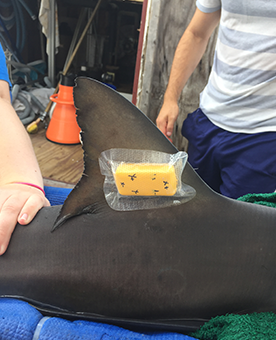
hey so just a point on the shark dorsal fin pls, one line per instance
(107, 120)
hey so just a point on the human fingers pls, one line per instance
(162, 122)
(167, 117)
(9, 212)
(17, 206)
(174, 110)
(33, 204)
(162, 119)
(170, 126)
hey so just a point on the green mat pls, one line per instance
(256, 326)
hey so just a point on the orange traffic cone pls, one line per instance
(63, 127)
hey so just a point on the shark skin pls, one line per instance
(167, 268)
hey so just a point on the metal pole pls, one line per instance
(81, 38)
(51, 42)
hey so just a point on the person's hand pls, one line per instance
(167, 117)
(18, 203)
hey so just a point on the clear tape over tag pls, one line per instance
(144, 179)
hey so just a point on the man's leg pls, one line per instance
(230, 163)
(248, 164)
(202, 136)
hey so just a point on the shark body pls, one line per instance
(168, 268)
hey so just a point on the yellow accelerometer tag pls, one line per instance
(146, 179)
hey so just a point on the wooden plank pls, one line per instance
(167, 20)
(139, 52)
(61, 163)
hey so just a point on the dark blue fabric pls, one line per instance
(56, 196)
(234, 164)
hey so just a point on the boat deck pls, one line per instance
(61, 165)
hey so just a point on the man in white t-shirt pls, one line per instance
(232, 136)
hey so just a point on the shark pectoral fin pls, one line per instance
(86, 195)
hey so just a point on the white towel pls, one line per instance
(44, 13)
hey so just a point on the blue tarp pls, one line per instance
(21, 321)
(56, 196)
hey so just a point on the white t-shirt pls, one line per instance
(241, 92)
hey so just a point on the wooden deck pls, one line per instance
(61, 165)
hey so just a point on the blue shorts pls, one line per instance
(233, 164)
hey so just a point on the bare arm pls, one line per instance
(190, 50)
(18, 203)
